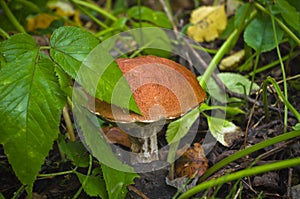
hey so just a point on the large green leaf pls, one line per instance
(30, 106)
(259, 34)
(80, 55)
(289, 13)
(117, 175)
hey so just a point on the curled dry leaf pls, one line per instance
(231, 62)
(209, 22)
(116, 135)
(192, 163)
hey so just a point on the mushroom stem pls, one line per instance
(149, 149)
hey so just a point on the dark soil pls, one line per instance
(153, 185)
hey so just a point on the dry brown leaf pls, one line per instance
(192, 163)
(209, 22)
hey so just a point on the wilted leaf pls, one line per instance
(224, 131)
(208, 23)
(232, 61)
(30, 106)
(259, 34)
(40, 21)
(192, 163)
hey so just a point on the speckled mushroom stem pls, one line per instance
(149, 148)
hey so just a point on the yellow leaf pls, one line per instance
(232, 61)
(40, 21)
(209, 22)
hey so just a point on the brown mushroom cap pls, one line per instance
(162, 89)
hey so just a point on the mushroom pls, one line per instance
(163, 90)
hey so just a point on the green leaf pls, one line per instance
(288, 13)
(146, 14)
(75, 151)
(259, 34)
(120, 175)
(30, 106)
(70, 46)
(117, 181)
(95, 184)
(228, 109)
(234, 82)
(179, 128)
(224, 131)
(82, 57)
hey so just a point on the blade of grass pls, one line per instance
(285, 117)
(95, 8)
(227, 45)
(240, 174)
(281, 96)
(247, 151)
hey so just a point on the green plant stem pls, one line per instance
(96, 8)
(18, 192)
(254, 70)
(100, 23)
(247, 151)
(217, 58)
(270, 65)
(11, 17)
(282, 25)
(285, 117)
(85, 179)
(281, 96)
(58, 173)
(4, 34)
(240, 174)
(227, 45)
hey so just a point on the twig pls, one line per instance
(135, 190)
(68, 123)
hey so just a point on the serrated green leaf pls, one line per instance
(146, 14)
(259, 34)
(70, 46)
(81, 56)
(179, 128)
(234, 82)
(224, 131)
(95, 184)
(30, 106)
(116, 178)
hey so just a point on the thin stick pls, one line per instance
(68, 123)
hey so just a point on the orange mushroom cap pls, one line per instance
(162, 89)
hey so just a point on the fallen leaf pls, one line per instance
(209, 22)
(192, 163)
(116, 135)
(232, 61)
